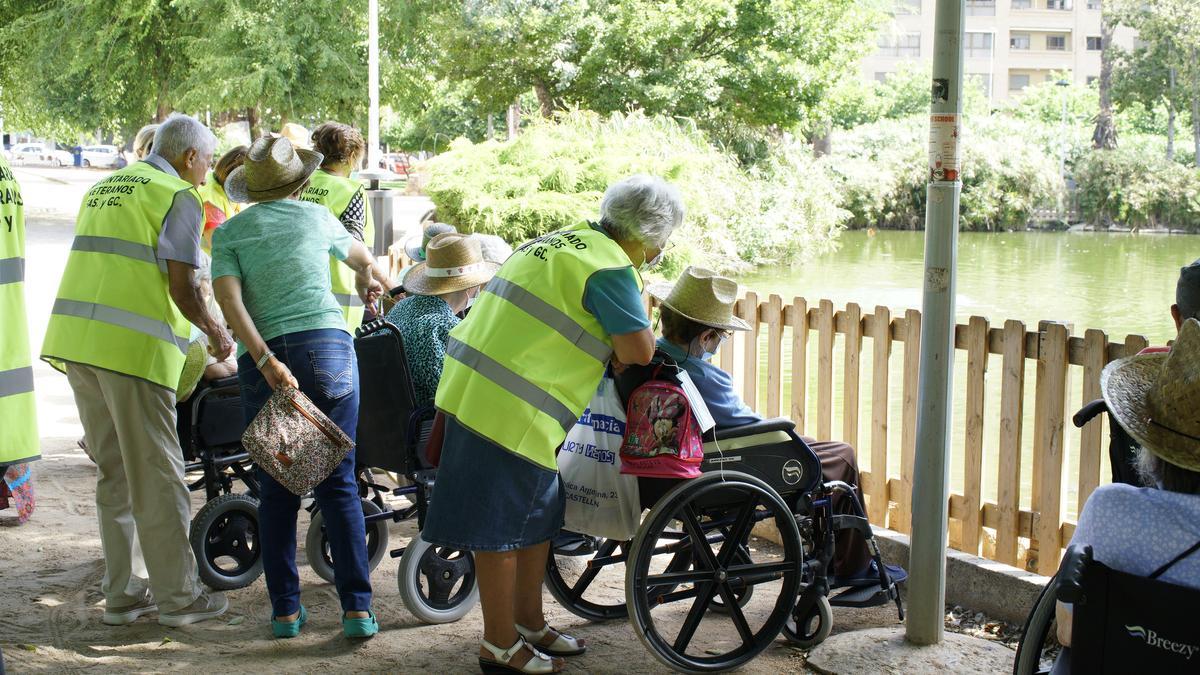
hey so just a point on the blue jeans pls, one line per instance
(324, 364)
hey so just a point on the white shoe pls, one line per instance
(207, 606)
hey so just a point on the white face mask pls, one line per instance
(471, 300)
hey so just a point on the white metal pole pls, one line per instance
(373, 83)
(931, 475)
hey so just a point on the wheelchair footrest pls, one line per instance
(863, 596)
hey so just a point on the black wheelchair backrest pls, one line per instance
(387, 404)
(1122, 449)
(769, 450)
(1124, 623)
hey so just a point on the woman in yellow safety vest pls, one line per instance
(218, 207)
(332, 187)
(519, 371)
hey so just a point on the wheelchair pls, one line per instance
(224, 532)
(1090, 585)
(437, 584)
(692, 567)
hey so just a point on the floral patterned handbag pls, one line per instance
(291, 439)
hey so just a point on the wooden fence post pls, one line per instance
(750, 350)
(977, 359)
(1049, 416)
(1095, 356)
(799, 362)
(825, 330)
(877, 491)
(908, 426)
(852, 360)
(1012, 404)
(726, 354)
(774, 319)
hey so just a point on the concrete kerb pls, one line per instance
(1000, 591)
(884, 650)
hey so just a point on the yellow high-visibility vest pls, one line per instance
(524, 364)
(18, 417)
(114, 309)
(334, 193)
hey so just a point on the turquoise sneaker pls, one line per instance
(360, 628)
(289, 629)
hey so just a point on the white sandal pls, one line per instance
(500, 663)
(563, 645)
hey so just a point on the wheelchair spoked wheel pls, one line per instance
(741, 593)
(436, 583)
(591, 584)
(1039, 644)
(224, 538)
(316, 544)
(716, 513)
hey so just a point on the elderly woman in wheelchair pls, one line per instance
(1131, 574)
(692, 568)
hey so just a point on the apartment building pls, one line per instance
(1010, 44)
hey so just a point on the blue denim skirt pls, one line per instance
(486, 498)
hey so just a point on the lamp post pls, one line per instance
(1062, 147)
(373, 84)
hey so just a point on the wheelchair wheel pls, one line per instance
(437, 584)
(578, 582)
(810, 630)
(224, 537)
(669, 609)
(743, 593)
(1039, 639)
(316, 545)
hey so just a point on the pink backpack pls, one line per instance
(662, 439)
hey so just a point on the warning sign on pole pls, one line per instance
(944, 132)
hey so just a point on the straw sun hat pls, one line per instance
(454, 262)
(704, 297)
(273, 170)
(1156, 398)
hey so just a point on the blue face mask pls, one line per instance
(709, 355)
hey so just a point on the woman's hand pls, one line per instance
(369, 289)
(276, 374)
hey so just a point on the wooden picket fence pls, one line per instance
(1057, 358)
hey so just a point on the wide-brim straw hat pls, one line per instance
(274, 169)
(454, 263)
(1156, 398)
(704, 297)
(415, 246)
(297, 134)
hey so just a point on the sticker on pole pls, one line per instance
(943, 147)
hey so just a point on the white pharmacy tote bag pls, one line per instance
(600, 500)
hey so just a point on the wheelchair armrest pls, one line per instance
(1070, 573)
(775, 424)
(223, 383)
(1089, 411)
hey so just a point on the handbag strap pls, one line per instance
(1192, 549)
(317, 423)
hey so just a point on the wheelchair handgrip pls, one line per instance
(374, 327)
(1089, 411)
(1070, 573)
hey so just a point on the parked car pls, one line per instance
(40, 153)
(396, 162)
(102, 156)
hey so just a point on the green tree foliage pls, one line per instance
(721, 63)
(1138, 187)
(554, 173)
(76, 64)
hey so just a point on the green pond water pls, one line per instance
(1118, 283)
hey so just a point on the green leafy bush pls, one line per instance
(554, 173)
(1137, 187)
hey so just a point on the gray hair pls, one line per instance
(495, 249)
(1156, 471)
(644, 209)
(143, 142)
(181, 133)
(1187, 291)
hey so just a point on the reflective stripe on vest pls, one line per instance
(159, 330)
(12, 270)
(348, 300)
(114, 246)
(551, 316)
(530, 353)
(16, 381)
(514, 383)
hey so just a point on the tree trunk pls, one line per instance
(491, 126)
(161, 107)
(1105, 136)
(252, 122)
(545, 100)
(1170, 113)
(1195, 107)
(514, 120)
(822, 142)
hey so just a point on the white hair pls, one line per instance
(644, 209)
(181, 133)
(495, 249)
